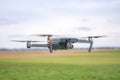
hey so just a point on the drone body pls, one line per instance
(60, 43)
(54, 44)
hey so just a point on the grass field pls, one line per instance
(61, 65)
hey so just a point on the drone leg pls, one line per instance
(90, 48)
(50, 48)
(28, 44)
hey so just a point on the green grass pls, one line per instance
(100, 65)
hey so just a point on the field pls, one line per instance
(60, 65)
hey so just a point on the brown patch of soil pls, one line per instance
(33, 54)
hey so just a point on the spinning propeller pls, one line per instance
(25, 41)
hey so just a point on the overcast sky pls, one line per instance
(69, 17)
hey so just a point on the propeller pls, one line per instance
(44, 35)
(25, 41)
(47, 35)
(94, 36)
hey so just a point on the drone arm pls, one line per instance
(44, 45)
(90, 40)
(39, 45)
(75, 40)
(82, 41)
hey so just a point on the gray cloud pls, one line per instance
(5, 21)
(84, 28)
(109, 21)
(84, 20)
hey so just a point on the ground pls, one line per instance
(60, 65)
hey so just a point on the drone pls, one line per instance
(62, 43)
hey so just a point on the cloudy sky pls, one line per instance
(69, 17)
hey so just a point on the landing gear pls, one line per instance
(28, 44)
(50, 47)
